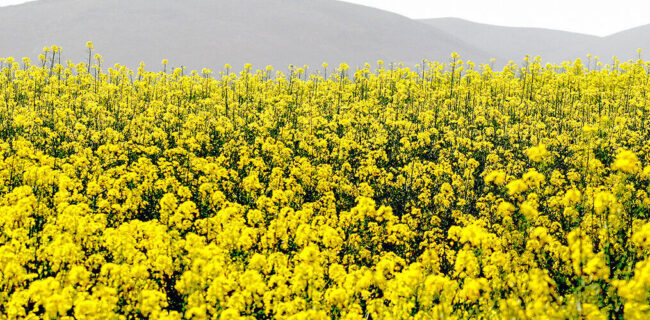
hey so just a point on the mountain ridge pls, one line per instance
(210, 33)
(552, 45)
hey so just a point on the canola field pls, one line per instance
(444, 191)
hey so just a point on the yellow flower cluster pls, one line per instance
(446, 191)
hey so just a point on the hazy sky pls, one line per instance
(598, 17)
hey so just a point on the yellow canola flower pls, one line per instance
(506, 209)
(572, 197)
(646, 172)
(537, 153)
(529, 210)
(497, 177)
(388, 193)
(589, 129)
(642, 237)
(603, 201)
(626, 161)
(584, 260)
(473, 289)
(516, 187)
(534, 179)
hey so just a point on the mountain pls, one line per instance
(211, 33)
(516, 43)
(551, 45)
(624, 44)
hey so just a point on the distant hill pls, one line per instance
(210, 33)
(552, 45)
(516, 43)
(624, 44)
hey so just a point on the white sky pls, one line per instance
(10, 2)
(598, 17)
